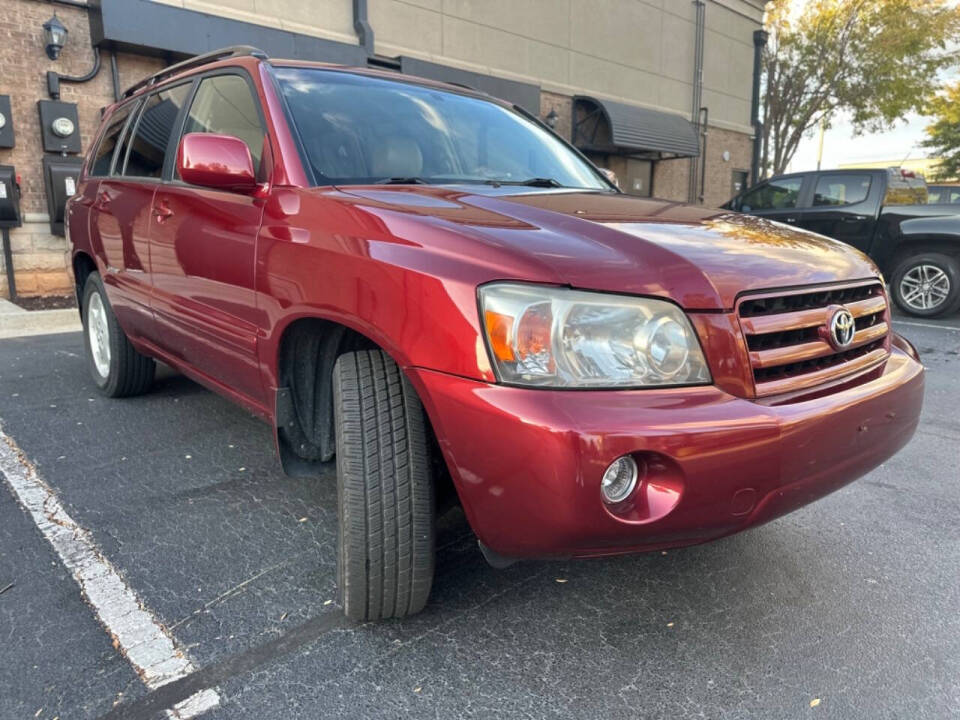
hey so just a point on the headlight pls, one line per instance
(556, 337)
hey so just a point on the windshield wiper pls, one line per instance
(402, 181)
(529, 182)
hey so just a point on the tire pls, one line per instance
(118, 370)
(385, 491)
(942, 275)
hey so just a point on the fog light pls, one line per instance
(619, 480)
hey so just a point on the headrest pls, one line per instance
(396, 156)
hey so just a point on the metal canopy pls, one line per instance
(615, 127)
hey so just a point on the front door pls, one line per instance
(776, 199)
(203, 251)
(841, 209)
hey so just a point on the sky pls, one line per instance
(841, 146)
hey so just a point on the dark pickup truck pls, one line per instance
(884, 214)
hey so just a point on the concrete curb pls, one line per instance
(17, 322)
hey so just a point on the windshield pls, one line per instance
(361, 130)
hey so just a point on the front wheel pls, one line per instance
(385, 490)
(116, 367)
(927, 284)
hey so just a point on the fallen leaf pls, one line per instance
(188, 456)
(417, 689)
(283, 617)
(327, 602)
(561, 580)
(814, 702)
(303, 519)
(670, 624)
(242, 469)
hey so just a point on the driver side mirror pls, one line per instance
(610, 175)
(221, 162)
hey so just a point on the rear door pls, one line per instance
(138, 170)
(203, 244)
(779, 198)
(117, 228)
(844, 207)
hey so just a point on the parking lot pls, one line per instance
(845, 609)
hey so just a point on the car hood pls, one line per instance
(701, 258)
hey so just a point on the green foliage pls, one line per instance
(943, 135)
(874, 59)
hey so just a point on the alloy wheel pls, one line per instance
(98, 333)
(924, 287)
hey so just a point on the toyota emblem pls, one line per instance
(842, 328)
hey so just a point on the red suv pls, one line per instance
(428, 285)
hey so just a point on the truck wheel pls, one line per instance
(927, 284)
(384, 489)
(117, 369)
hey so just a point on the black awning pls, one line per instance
(615, 127)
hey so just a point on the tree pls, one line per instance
(876, 60)
(943, 135)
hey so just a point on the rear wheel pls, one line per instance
(385, 490)
(927, 284)
(116, 367)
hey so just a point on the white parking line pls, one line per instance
(136, 633)
(927, 325)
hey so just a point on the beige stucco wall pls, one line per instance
(638, 51)
(331, 19)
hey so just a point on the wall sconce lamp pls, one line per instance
(55, 34)
(552, 118)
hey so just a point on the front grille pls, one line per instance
(789, 341)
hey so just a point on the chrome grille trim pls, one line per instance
(788, 338)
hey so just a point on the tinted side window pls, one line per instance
(100, 165)
(841, 190)
(154, 128)
(773, 195)
(224, 105)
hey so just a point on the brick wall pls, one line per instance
(670, 176)
(39, 258)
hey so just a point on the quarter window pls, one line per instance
(841, 190)
(101, 160)
(773, 195)
(154, 128)
(224, 105)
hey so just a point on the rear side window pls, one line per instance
(148, 150)
(100, 166)
(773, 195)
(835, 190)
(224, 105)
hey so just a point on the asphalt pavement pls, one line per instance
(848, 608)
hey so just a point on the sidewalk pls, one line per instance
(17, 322)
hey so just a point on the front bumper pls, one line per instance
(527, 463)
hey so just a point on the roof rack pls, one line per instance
(197, 61)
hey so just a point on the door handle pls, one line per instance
(790, 220)
(854, 218)
(162, 212)
(103, 200)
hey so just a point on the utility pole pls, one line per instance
(823, 131)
